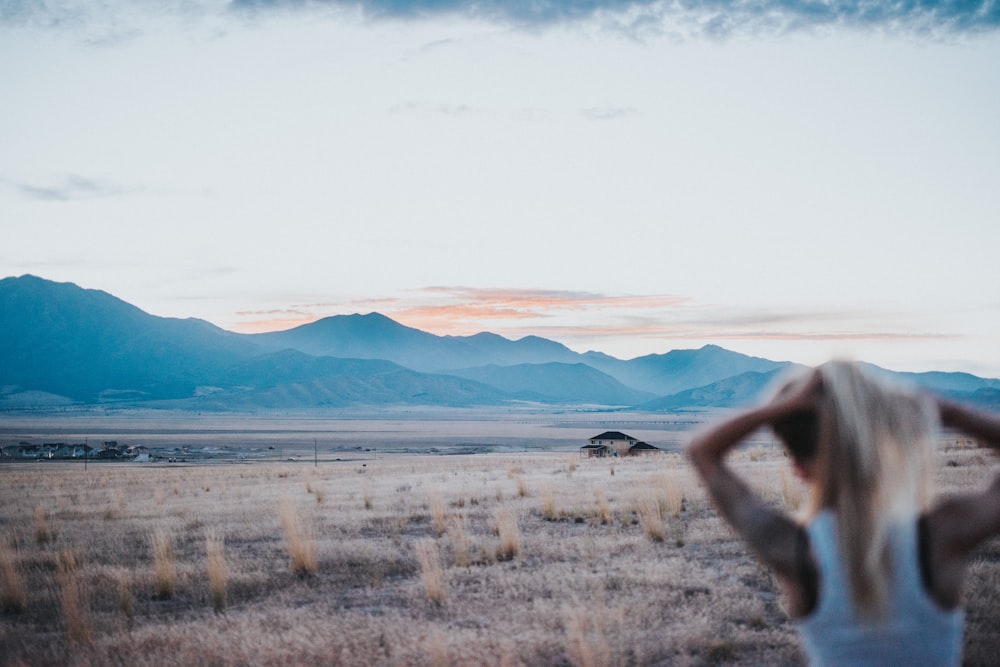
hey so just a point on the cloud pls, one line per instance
(418, 108)
(609, 113)
(68, 188)
(710, 18)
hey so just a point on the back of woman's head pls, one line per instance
(873, 455)
(876, 441)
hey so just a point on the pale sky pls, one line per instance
(794, 181)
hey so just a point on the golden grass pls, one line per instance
(590, 635)
(604, 514)
(507, 529)
(299, 540)
(216, 559)
(13, 593)
(547, 500)
(431, 573)
(649, 510)
(461, 544)
(43, 533)
(508, 586)
(164, 563)
(73, 599)
(126, 601)
(439, 517)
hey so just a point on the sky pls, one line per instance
(788, 179)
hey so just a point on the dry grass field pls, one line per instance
(514, 558)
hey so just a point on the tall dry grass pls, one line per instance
(547, 499)
(461, 544)
(217, 574)
(439, 517)
(604, 514)
(670, 493)
(431, 573)
(164, 563)
(507, 529)
(299, 540)
(590, 635)
(73, 599)
(43, 532)
(552, 595)
(649, 510)
(13, 592)
(126, 601)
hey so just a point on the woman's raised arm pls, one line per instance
(772, 534)
(962, 522)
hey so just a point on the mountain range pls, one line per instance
(61, 344)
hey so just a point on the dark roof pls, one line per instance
(594, 447)
(644, 445)
(612, 435)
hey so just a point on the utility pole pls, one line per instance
(315, 455)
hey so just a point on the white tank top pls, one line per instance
(916, 631)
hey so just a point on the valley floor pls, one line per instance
(504, 558)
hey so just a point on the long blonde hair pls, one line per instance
(873, 468)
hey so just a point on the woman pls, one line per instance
(875, 575)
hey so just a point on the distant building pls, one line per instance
(614, 444)
(609, 443)
(595, 451)
(643, 449)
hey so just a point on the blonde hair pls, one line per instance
(873, 468)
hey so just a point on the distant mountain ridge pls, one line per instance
(61, 344)
(375, 336)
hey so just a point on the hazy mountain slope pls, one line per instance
(678, 370)
(739, 390)
(291, 379)
(500, 351)
(555, 382)
(939, 381)
(86, 344)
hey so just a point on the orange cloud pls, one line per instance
(466, 309)
(273, 324)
